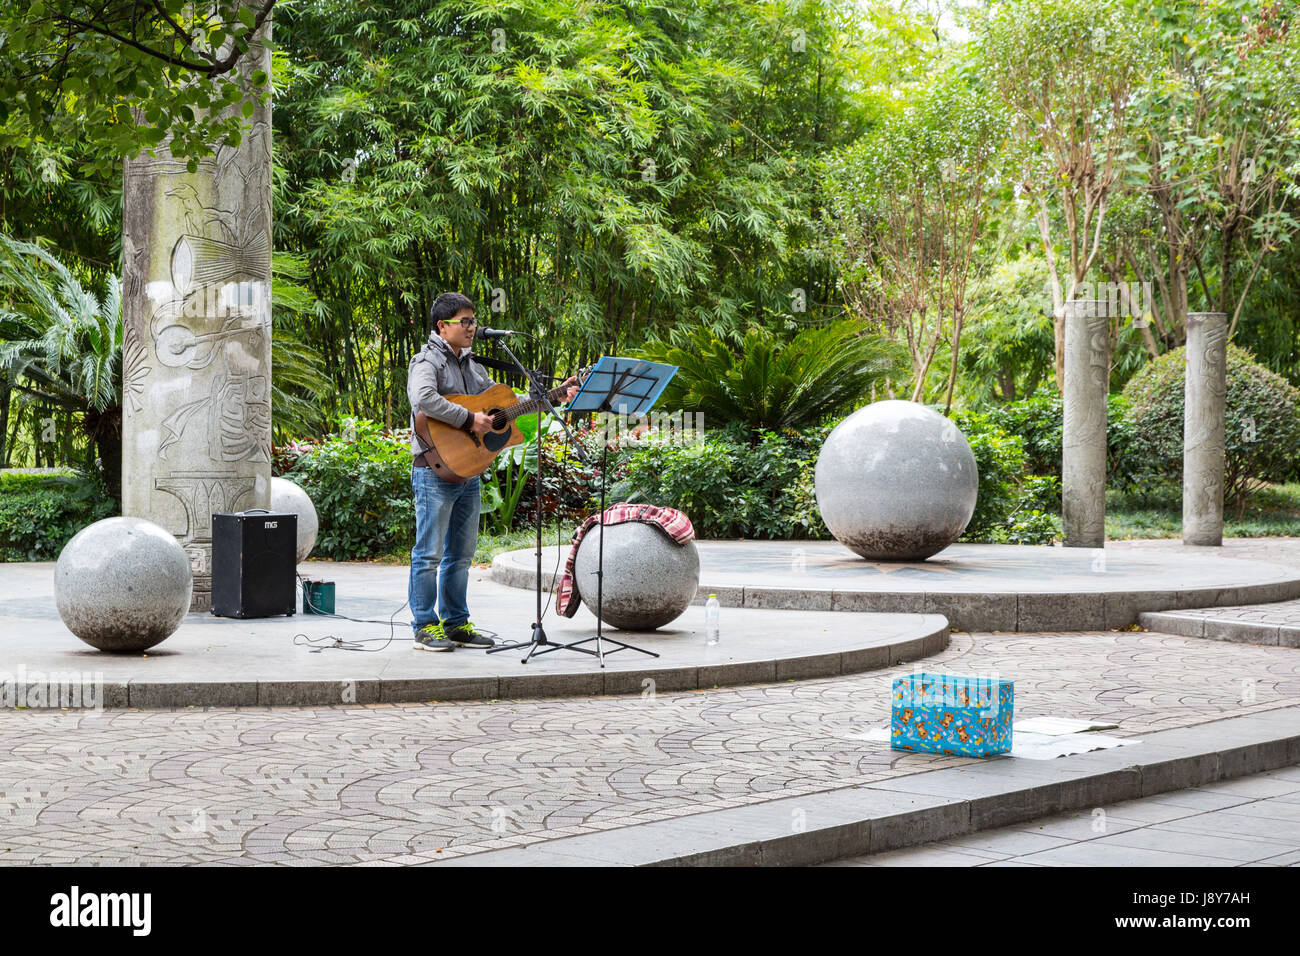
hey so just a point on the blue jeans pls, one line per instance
(446, 533)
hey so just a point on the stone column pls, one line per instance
(1083, 450)
(196, 360)
(1205, 397)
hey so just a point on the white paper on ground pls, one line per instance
(1056, 726)
(874, 734)
(1030, 746)
(1046, 746)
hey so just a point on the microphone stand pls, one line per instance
(539, 639)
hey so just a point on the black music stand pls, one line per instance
(622, 386)
(540, 398)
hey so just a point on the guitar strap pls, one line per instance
(497, 364)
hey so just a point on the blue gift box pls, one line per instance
(958, 716)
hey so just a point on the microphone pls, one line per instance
(489, 334)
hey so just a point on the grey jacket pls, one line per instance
(435, 371)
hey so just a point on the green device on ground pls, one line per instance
(318, 597)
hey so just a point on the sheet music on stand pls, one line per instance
(622, 386)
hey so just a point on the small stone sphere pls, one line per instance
(649, 578)
(123, 584)
(896, 481)
(288, 498)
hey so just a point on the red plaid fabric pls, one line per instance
(670, 521)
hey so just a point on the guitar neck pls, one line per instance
(533, 404)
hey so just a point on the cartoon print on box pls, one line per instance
(956, 716)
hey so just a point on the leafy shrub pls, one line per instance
(734, 488)
(1262, 434)
(1040, 422)
(770, 383)
(39, 513)
(359, 479)
(1012, 507)
(731, 487)
(570, 487)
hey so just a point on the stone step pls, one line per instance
(923, 807)
(1275, 624)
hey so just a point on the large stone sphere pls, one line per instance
(123, 584)
(289, 499)
(896, 481)
(649, 578)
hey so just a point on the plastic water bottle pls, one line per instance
(711, 608)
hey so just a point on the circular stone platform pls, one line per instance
(978, 587)
(214, 661)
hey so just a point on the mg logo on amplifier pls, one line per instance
(271, 524)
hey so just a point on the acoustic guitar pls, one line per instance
(457, 455)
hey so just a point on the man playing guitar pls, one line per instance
(446, 512)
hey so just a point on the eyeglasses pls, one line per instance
(468, 323)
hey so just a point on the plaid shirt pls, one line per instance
(670, 521)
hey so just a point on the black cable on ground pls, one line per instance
(332, 642)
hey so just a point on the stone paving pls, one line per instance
(1251, 821)
(399, 783)
(392, 784)
(293, 660)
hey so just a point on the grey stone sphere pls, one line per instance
(288, 498)
(649, 578)
(123, 584)
(896, 481)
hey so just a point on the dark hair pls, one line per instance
(445, 306)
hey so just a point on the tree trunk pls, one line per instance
(104, 429)
(6, 395)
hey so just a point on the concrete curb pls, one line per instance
(1222, 629)
(591, 681)
(1029, 611)
(919, 808)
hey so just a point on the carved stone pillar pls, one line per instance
(1203, 424)
(196, 367)
(1083, 451)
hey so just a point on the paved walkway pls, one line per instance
(1252, 821)
(403, 782)
(293, 660)
(398, 783)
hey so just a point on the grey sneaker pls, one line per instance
(465, 635)
(431, 637)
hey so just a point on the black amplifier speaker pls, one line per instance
(254, 561)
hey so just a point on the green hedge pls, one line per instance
(359, 479)
(1040, 421)
(733, 488)
(730, 486)
(1014, 506)
(1261, 436)
(39, 513)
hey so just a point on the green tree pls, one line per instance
(1010, 350)
(819, 374)
(1217, 153)
(590, 175)
(1066, 70)
(62, 343)
(911, 206)
(123, 77)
